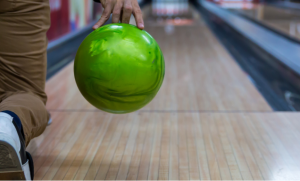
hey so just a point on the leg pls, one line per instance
(23, 46)
(23, 115)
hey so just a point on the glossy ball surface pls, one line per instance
(119, 68)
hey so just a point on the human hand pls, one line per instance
(121, 10)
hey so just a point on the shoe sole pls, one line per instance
(10, 167)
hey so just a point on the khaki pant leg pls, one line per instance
(23, 61)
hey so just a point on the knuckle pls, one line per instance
(105, 16)
(106, 13)
(127, 8)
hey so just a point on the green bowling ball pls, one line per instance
(119, 68)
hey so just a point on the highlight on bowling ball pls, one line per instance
(119, 68)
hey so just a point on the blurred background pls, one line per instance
(71, 15)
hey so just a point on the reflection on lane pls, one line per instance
(284, 20)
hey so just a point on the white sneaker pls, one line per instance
(50, 119)
(15, 162)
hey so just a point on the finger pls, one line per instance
(138, 16)
(104, 17)
(127, 11)
(117, 12)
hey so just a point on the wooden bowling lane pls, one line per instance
(141, 146)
